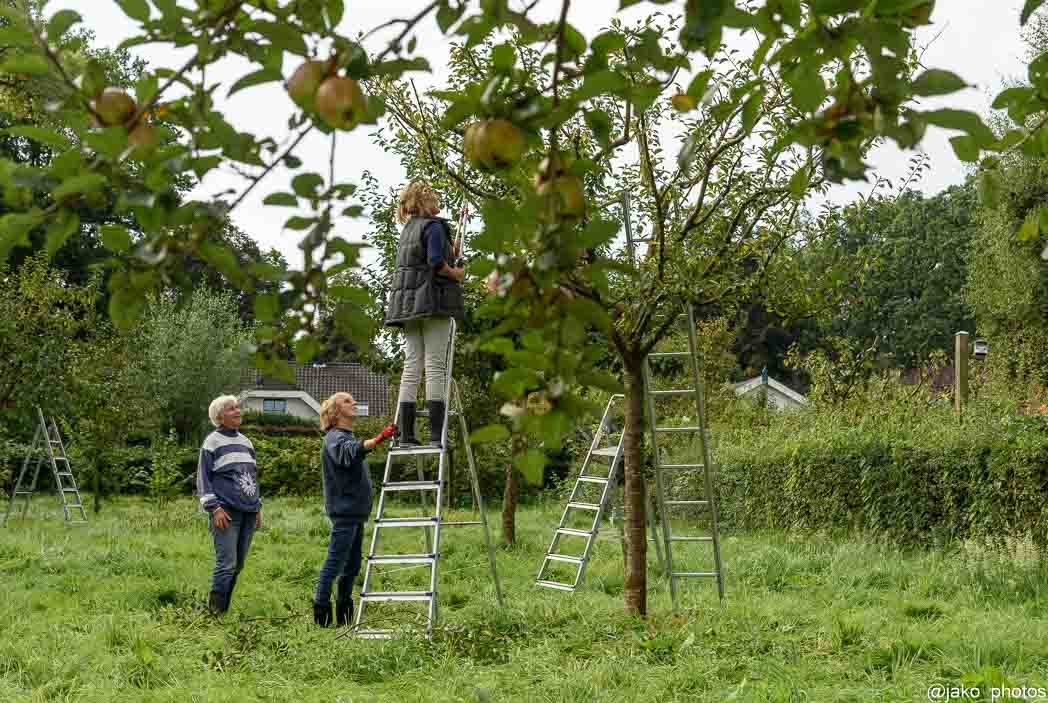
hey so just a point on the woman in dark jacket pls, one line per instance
(425, 295)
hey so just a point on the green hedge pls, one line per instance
(912, 477)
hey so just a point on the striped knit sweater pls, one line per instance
(226, 474)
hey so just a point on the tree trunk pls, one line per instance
(510, 496)
(635, 518)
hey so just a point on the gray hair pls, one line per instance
(219, 406)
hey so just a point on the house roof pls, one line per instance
(321, 381)
(755, 382)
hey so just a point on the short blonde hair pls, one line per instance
(417, 199)
(329, 411)
(218, 408)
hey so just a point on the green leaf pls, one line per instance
(267, 307)
(25, 64)
(61, 229)
(799, 183)
(305, 184)
(807, 85)
(599, 123)
(989, 189)
(937, 82)
(966, 148)
(116, 238)
(599, 83)
(284, 36)
(574, 41)
(489, 434)
(282, 199)
(838, 7)
(751, 110)
(964, 121)
(1028, 9)
(300, 223)
(1030, 229)
(396, 67)
(306, 348)
(135, 9)
(60, 23)
(447, 15)
(530, 464)
(699, 85)
(334, 10)
(39, 134)
(78, 185)
(266, 75)
(503, 57)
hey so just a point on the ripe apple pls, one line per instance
(494, 144)
(113, 107)
(143, 134)
(304, 82)
(570, 194)
(340, 102)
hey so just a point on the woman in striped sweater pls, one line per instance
(227, 484)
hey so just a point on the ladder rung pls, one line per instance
(24, 493)
(593, 479)
(411, 485)
(65, 473)
(374, 634)
(407, 522)
(691, 539)
(573, 533)
(397, 595)
(564, 558)
(665, 355)
(76, 505)
(687, 502)
(676, 429)
(69, 490)
(686, 391)
(584, 506)
(694, 574)
(55, 441)
(61, 458)
(420, 450)
(402, 559)
(606, 451)
(555, 584)
(681, 466)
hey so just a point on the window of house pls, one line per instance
(274, 405)
(362, 409)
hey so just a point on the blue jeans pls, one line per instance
(343, 561)
(231, 548)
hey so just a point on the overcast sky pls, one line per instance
(979, 40)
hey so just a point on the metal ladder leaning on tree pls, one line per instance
(664, 472)
(49, 439)
(579, 505)
(430, 524)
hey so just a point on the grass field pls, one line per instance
(113, 612)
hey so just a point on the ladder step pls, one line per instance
(402, 559)
(676, 429)
(681, 466)
(374, 634)
(65, 473)
(24, 493)
(397, 595)
(411, 485)
(565, 559)
(683, 391)
(415, 451)
(593, 479)
(61, 458)
(573, 533)
(584, 506)
(687, 502)
(667, 355)
(555, 584)
(694, 574)
(407, 522)
(55, 441)
(69, 490)
(606, 451)
(691, 539)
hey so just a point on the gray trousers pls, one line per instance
(425, 344)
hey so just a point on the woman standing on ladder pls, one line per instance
(426, 293)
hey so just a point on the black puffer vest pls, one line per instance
(418, 291)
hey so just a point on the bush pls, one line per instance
(913, 478)
(253, 418)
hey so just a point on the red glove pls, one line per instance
(384, 434)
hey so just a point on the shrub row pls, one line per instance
(913, 478)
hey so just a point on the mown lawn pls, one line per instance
(113, 612)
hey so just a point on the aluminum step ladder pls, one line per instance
(665, 473)
(47, 442)
(431, 524)
(603, 446)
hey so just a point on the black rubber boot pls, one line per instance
(436, 421)
(322, 614)
(406, 425)
(218, 602)
(344, 613)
